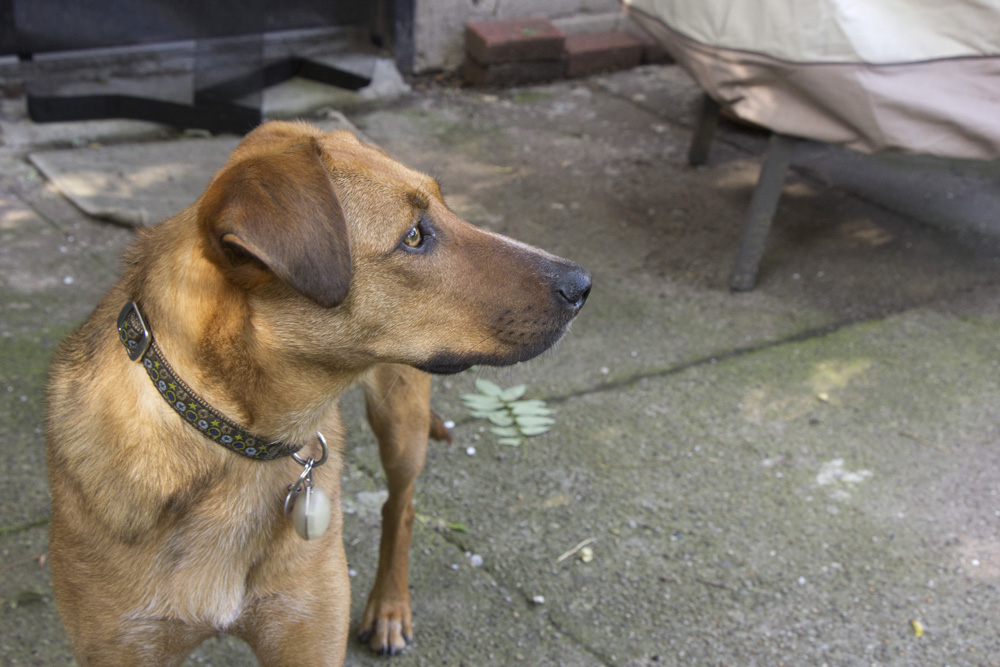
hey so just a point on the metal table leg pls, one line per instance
(761, 211)
(704, 132)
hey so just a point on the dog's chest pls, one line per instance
(205, 565)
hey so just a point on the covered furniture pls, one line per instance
(916, 76)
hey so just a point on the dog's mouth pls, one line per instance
(449, 363)
(446, 366)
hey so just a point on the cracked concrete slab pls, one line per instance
(791, 475)
(142, 184)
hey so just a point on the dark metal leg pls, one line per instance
(708, 119)
(761, 211)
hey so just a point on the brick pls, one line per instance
(515, 40)
(653, 52)
(589, 53)
(501, 75)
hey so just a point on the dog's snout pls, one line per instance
(574, 286)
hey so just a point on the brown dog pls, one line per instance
(311, 261)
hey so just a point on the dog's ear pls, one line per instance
(277, 212)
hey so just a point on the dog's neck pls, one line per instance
(143, 349)
(216, 361)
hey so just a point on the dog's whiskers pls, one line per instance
(388, 391)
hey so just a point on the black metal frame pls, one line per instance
(760, 214)
(215, 107)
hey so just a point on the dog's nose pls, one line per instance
(574, 286)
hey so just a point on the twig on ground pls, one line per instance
(575, 549)
(922, 441)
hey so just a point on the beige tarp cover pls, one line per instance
(921, 76)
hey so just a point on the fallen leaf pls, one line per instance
(484, 386)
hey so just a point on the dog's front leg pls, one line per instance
(306, 620)
(397, 399)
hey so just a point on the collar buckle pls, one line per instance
(133, 332)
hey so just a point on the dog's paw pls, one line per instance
(387, 629)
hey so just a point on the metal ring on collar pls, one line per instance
(322, 459)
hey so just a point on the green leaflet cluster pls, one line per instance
(512, 418)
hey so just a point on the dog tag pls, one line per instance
(311, 512)
(306, 503)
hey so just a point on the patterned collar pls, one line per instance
(141, 347)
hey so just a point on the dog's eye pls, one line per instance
(420, 238)
(414, 238)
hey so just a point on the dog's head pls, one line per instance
(353, 258)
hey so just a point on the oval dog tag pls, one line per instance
(311, 513)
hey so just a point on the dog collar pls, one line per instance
(141, 347)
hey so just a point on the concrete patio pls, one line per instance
(804, 474)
